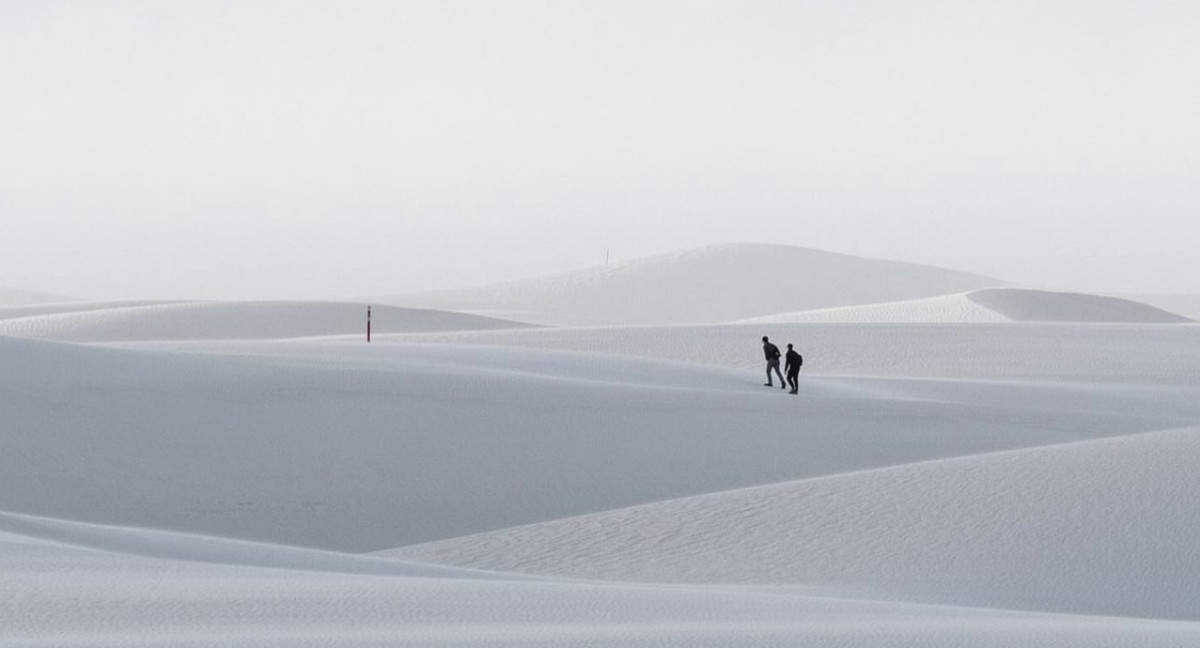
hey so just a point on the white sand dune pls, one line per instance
(63, 592)
(356, 447)
(1103, 527)
(171, 481)
(989, 306)
(128, 321)
(714, 284)
(362, 448)
(1044, 306)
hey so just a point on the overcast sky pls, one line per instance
(313, 150)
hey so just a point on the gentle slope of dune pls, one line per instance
(1184, 304)
(1101, 527)
(72, 595)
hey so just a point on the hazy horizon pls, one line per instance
(306, 150)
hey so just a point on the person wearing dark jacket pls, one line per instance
(772, 354)
(794, 360)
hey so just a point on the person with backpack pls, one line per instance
(794, 360)
(772, 354)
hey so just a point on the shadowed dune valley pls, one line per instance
(1000, 466)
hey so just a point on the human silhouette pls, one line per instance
(772, 354)
(794, 360)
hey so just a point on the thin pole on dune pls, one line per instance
(368, 324)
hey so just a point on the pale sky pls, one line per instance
(336, 149)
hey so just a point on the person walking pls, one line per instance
(772, 354)
(794, 360)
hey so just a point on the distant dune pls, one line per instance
(713, 284)
(1043, 306)
(141, 321)
(14, 297)
(991, 305)
(1185, 304)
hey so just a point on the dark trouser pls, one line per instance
(794, 380)
(774, 364)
